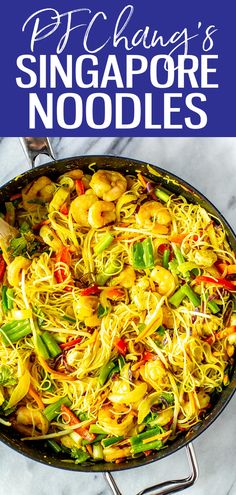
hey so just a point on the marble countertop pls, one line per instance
(210, 165)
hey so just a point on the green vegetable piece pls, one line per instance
(191, 295)
(137, 444)
(97, 452)
(4, 299)
(41, 347)
(102, 311)
(97, 429)
(142, 254)
(14, 331)
(162, 194)
(18, 246)
(105, 370)
(213, 307)
(104, 243)
(10, 297)
(54, 446)
(161, 330)
(24, 228)
(177, 298)
(166, 258)
(79, 455)
(51, 344)
(6, 377)
(68, 318)
(138, 448)
(52, 411)
(110, 441)
(169, 397)
(98, 438)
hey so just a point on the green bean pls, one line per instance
(51, 344)
(105, 370)
(52, 411)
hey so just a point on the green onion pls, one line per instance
(97, 452)
(98, 438)
(10, 298)
(162, 194)
(110, 441)
(41, 348)
(51, 344)
(4, 299)
(191, 295)
(97, 429)
(137, 444)
(166, 257)
(68, 318)
(79, 455)
(112, 268)
(121, 362)
(104, 243)
(15, 331)
(142, 254)
(54, 446)
(105, 370)
(161, 330)
(213, 307)
(18, 246)
(177, 298)
(24, 227)
(178, 254)
(52, 411)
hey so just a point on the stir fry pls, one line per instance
(118, 316)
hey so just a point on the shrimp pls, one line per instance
(126, 278)
(80, 208)
(164, 279)
(101, 213)
(15, 268)
(31, 418)
(114, 423)
(42, 188)
(153, 212)
(108, 185)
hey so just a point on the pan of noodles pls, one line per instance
(118, 313)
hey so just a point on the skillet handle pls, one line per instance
(35, 146)
(166, 487)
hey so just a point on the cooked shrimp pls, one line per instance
(126, 278)
(101, 213)
(30, 417)
(42, 188)
(114, 423)
(164, 279)
(15, 268)
(80, 208)
(153, 212)
(108, 185)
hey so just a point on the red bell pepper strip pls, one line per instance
(64, 209)
(82, 431)
(121, 347)
(62, 257)
(90, 291)
(149, 356)
(2, 267)
(79, 186)
(71, 343)
(15, 196)
(226, 284)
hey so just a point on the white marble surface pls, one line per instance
(209, 165)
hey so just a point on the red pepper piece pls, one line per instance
(71, 343)
(60, 274)
(82, 431)
(90, 291)
(79, 186)
(2, 267)
(64, 209)
(149, 356)
(226, 284)
(121, 347)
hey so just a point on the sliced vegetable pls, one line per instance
(222, 282)
(79, 186)
(148, 440)
(166, 258)
(142, 254)
(71, 343)
(79, 455)
(111, 268)
(162, 194)
(41, 347)
(106, 442)
(54, 446)
(51, 344)
(90, 291)
(121, 346)
(15, 331)
(2, 267)
(104, 243)
(180, 294)
(105, 370)
(4, 299)
(52, 411)
(20, 390)
(73, 420)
